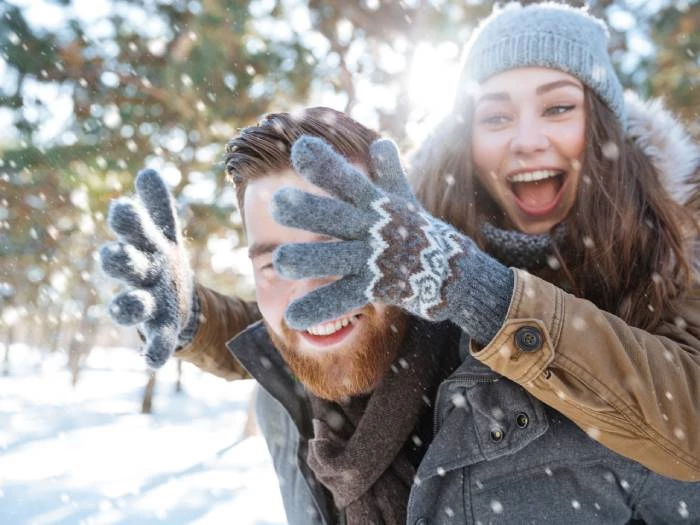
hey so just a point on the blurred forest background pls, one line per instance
(91, 91)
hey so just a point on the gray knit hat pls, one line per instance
(546, 35)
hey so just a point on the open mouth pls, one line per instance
(331, 332)
(537, 192)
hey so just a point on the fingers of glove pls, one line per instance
(159, 203)
(320, 259)
(386, 164)
(315, 160)
(132, 307)
(126, 263)
(298, 209)
(327, 302)
(131, 223)
(160, 347)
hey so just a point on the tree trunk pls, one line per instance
(6, 359)
(80, 345)
(178, 383)
(57, 329)
(251, 426)
(147, 403)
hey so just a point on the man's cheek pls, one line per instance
(271, 304)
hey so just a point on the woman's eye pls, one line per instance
(560, 109)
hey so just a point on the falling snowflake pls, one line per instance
(459, 400)
(611, 151)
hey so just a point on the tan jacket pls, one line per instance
(635, 392)
(222, 318)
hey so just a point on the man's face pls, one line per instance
(341, 358)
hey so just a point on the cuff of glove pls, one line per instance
(188, 332)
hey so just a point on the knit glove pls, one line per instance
(391, 249)
(149, 257)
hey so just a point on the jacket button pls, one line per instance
(528, 339)
(497, 435)
(522, 420)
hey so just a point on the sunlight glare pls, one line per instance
(432, 81)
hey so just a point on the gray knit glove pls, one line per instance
(150, 258)
(392, 250)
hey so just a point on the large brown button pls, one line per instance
(528, 339)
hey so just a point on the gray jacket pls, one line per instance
(498, 455)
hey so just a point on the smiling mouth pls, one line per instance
(537, 192)
(331, 332)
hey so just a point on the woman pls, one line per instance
(592, 191)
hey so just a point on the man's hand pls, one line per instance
(390, 249)
(150, 258)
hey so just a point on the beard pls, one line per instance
(355, 367)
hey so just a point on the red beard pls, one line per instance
(350, 370)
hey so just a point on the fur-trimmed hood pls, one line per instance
(666, 142)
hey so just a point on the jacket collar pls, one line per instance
(254, 350)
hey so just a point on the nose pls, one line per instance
(529, 137)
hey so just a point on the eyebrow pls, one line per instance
(262, 248)
(544, 88)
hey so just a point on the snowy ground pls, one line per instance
(87, 456)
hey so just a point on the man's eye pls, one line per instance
(560, 109)
(267, 271)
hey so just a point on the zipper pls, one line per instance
(464, 381)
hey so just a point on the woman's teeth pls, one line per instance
(331, 327)
(534, 176)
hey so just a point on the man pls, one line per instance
(366, 375)
(377, 416)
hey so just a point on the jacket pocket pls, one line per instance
(481, 417)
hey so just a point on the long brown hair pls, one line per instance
(627, 246)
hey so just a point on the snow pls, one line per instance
(87, 456)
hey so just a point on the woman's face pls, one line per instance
(528, 143)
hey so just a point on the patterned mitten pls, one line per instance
(150, 258)
(391, 250)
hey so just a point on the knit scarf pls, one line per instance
(522, 250)
(358, 451)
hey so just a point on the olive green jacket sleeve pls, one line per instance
(222, 318)
(638, 393)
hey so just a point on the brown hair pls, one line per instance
(264, 148)
(626, 248)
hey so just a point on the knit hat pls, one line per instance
(546, 35)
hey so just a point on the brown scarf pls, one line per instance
(358, 450)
